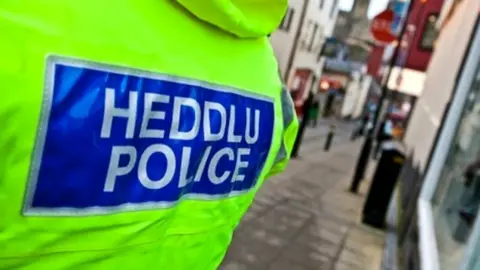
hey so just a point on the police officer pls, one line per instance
(135, 133)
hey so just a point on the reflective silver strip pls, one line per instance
(125, 207)
(288, 114)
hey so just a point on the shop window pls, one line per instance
(287, 20)
(430, 32)
(457, 197)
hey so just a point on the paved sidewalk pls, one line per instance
(305, 219)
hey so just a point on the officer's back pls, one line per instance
(135, 133)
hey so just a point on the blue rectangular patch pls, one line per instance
(113, 139)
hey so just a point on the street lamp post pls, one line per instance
(364, 156)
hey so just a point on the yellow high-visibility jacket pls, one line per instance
(135, 133)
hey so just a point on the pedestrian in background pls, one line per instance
(384, 133)
(363, 124)
(313, 112)
(362, 127)
(470, 199)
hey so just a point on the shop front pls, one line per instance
(448, 204)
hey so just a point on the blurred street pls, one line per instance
(305, 218)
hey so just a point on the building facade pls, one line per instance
(407, 76)
(298, 42)
(440, 183)
(416, 47)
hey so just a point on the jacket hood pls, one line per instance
(243, 18)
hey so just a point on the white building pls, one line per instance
(282, 40)
(311, 21)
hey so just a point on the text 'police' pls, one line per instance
(207, 122)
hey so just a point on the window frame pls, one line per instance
(286, 22)
(313, 37)
(429, 255)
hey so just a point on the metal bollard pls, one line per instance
(328, 141)
(354, 134)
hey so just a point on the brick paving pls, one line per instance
(305, 219)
